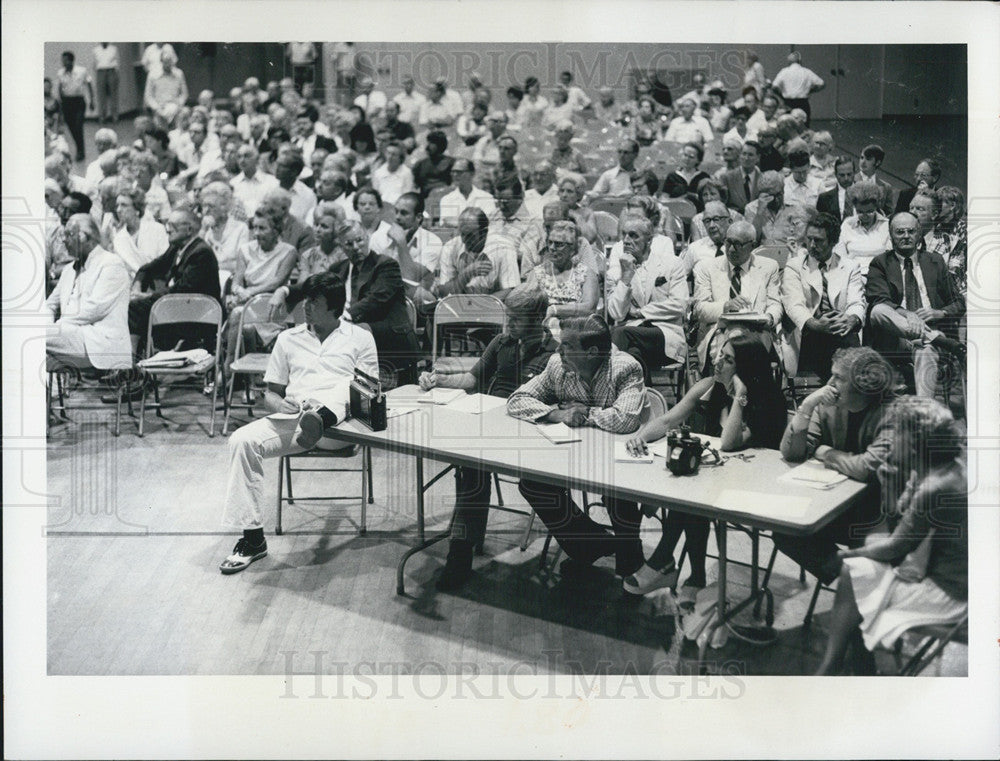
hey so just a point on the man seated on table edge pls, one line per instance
(511, 359)
(308, 389)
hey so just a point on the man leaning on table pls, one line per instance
(589, 382)
(511, 359)
(308, 389)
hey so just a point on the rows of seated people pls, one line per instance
(784, 254)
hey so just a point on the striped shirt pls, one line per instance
(614, 398)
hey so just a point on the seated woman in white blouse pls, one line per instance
(139, 239)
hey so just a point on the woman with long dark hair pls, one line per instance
(743, 405)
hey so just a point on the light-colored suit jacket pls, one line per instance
(96, 299)
(760, 284)
(658, 293)
(802, 291)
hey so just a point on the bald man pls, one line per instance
(89, 304)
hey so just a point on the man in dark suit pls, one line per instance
(911, 300)
(925, 177)
(835, 202)
(375, 297)
(742, 183)
(187, 266)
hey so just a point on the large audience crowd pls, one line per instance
(720, 237)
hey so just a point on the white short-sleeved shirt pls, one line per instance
(311, 370)
(454, 203)
(391, 185)
(796, 81)
(863, 245)
(106, 57)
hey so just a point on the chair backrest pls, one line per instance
(611, 204)
(778, 253)
(298, 314)
(257, 309)
(467, 309)
(681, 208)
(411, 311)
(607, 226)
(185, 308)
(432, 206)
(653, 405)
(444, 232)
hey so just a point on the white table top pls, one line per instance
(746, 493)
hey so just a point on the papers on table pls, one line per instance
(440, 395)
(814, 474)
(623, 455)
(774, 506)
(558, 433)
(398, 411)
(476, 404)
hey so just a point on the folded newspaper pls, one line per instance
(165, 359)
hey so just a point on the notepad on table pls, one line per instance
(397, 411)
(815, 474)
(476, 404)
(558, 433)
(623, 455)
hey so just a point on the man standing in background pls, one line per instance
(106, 62)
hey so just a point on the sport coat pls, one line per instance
(802, 292)
(828, 203)
(738, 198)
(378, 299)
(760, 285)
(96, 300)
(189, 268)
(885, 282)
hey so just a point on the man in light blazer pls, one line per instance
(911, 301)
(738, 282)
(824, 300)
(89, 304)
(742, 183)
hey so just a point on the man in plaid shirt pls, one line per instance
(589, 382)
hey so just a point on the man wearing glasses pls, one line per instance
(648, 294)
(738, 283)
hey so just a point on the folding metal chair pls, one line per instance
(285, 470)
(174, 308)
(933, 640)
(467, 310)
(613, 205)
(607, 226)
(58, 383)
(256, 310)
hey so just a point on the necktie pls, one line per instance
(735, 283)
(911, 290)
(824, 303)
(718, 250)
(848, 208)
(746, 185)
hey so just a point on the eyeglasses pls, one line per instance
(739, 243)
(706, 220)
(560, 243)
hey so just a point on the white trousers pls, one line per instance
(249, 446)
(925, 356)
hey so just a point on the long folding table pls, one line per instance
(744, 491)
